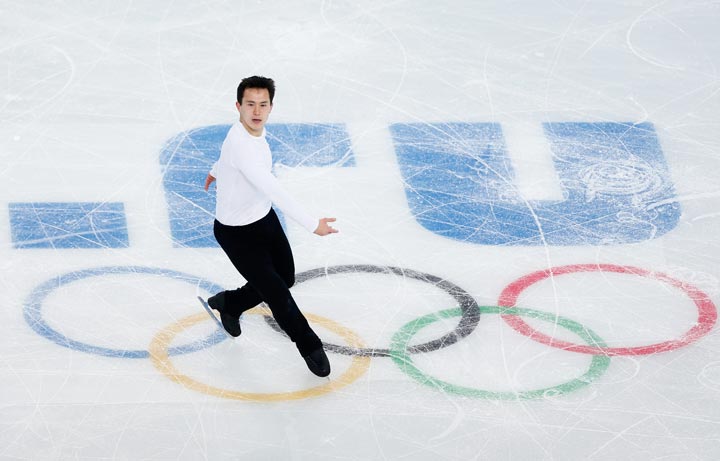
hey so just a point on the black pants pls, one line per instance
(261, 253)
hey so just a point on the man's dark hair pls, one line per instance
(256, 82)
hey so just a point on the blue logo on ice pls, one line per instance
(459, 182)
(615, 181)
(188, 157)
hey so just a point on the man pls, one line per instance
(248, 230)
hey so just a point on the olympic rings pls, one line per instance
(161, 360)
(400, 351)
(598, 364)
(469, 308)
(34, 318)
(707, 313)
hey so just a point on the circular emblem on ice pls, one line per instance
(621, 177)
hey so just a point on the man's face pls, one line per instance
(254, 110)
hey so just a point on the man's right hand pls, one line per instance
(209, 180)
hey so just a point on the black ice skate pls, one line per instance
(318, 362)
(230, 323)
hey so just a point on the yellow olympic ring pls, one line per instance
(159, 355)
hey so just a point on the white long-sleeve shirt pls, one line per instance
(246, 187)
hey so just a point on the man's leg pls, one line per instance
(275, 292)
(255, 250)
(231, 303)
(241, 299)
(308, 343)
(251, 249)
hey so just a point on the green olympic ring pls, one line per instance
(598, 365)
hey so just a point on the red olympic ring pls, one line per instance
(707, 313)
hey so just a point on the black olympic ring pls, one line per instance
(467, 304)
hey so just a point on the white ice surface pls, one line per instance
(90, 91)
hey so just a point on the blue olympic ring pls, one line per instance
(33, 310)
